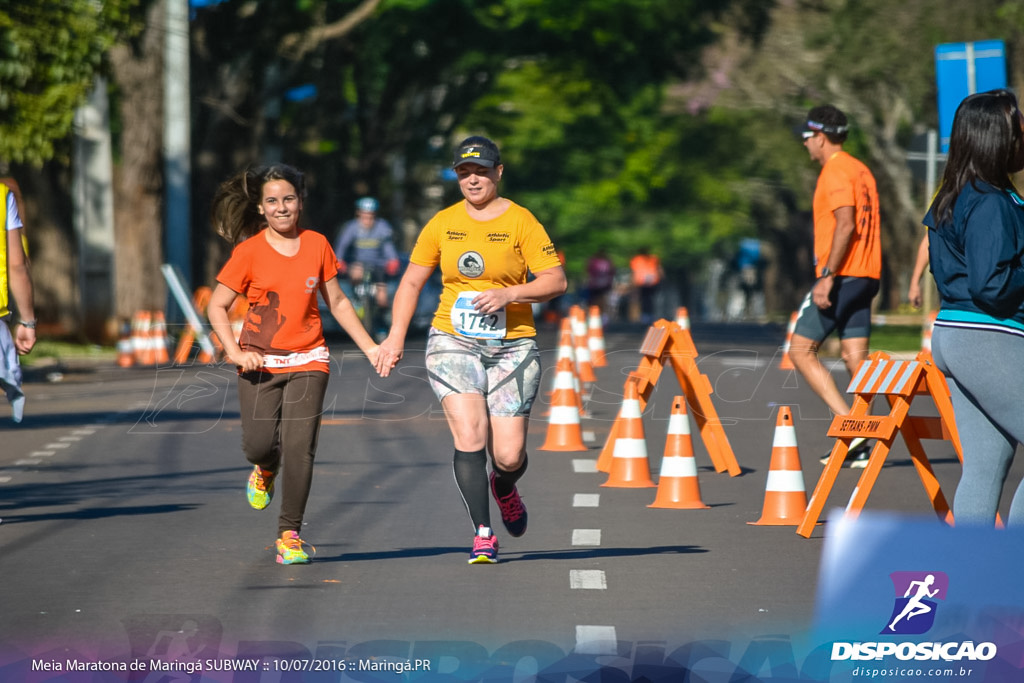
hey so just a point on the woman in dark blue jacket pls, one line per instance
(976, 245)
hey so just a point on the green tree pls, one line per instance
(50, 52)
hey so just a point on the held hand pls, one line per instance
(821, 291)
(389, 353)
(247, 361)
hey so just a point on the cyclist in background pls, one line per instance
(366, 251)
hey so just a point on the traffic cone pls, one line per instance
(125, 350)
(683, 318)
(567, 350)
(926, 331)
(595, 338)
(141, 343)
(629, 467)
(581, 346)
(678, 486)
(785, 499)
(564, 433)
(786, 363)
(161, 356)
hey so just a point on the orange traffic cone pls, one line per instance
(564, 433)
(785, 499)
(595, 338)
(683, 318)
(629, 467)
(125, 351)
(786, 363)
(926, 331)
(161, 356)
(567, 350)
(584, 365)
(678, 486)
(141, 342)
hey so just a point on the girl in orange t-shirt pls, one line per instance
(281, 354)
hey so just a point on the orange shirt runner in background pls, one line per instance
(646, 270)
(846, 181)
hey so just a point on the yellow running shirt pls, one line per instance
(478, 255)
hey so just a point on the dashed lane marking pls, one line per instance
(587, 537)
(587, 579)
(586, 500)
(596, 640)
(584, 466)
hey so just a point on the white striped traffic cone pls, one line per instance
(629, 466)
(678, 486)
(564, 432)
(595, 338)
(785, 499)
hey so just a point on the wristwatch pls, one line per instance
(30, 324)
(825, 272)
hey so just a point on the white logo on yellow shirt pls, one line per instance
(471, 264)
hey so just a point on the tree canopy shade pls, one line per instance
(50, 51)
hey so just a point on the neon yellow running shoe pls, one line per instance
(260, 489)
(289, 549)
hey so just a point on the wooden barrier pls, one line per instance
(899, 381)
(666, 343)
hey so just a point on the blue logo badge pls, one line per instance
(916, 593)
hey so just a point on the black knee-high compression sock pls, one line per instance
(471, 477)
(504, 481)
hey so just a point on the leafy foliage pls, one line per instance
(50, 51)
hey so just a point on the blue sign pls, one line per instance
(963, 69)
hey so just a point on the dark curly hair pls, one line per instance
(234, 215)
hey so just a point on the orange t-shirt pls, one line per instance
(282, 291)
(646, 270)
(846, 181)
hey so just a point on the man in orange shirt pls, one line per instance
(647, 275)
(848, 262)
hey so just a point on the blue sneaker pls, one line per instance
(513, 512)
(485, 547)
(260, 489)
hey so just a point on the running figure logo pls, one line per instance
(914, 612)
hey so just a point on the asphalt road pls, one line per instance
(126, 535)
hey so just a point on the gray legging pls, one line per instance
(985, 372)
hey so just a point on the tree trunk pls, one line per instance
(138, 178)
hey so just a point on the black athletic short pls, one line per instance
(849, 314)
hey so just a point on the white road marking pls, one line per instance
(585, 466)
(586, 500)
(589, 537)
(596, 640)
(587, 579)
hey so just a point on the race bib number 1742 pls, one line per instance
(469, 322)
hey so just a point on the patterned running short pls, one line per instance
(506, 372)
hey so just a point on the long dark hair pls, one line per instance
(985, 146)
(234, 213)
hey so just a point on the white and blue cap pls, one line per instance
(367, 205)
(811, 127)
